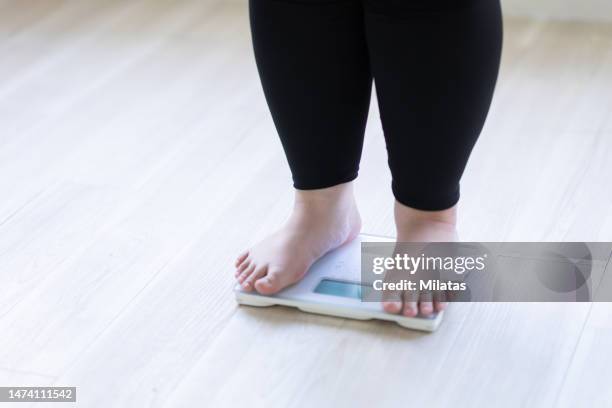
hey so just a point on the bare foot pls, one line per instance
(421, 226)
(321, 221)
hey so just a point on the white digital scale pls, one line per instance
(333, 287)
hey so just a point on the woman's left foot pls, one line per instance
(421, 226)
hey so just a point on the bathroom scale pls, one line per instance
(332, 286)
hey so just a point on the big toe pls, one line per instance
(392, 302)
(269, 284)
(273, 282)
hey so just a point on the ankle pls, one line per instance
(410, 217)
(336, 197)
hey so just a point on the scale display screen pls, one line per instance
(340, 288)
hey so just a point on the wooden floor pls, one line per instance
(137, 157)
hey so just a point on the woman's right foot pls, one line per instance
(421, 226)
(321, 220)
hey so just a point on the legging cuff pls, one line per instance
(427, 202)
(323, 181)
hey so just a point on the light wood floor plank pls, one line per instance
(586, 381)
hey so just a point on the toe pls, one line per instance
(439, 306)
(246, 271)
(243, 279)
(392, 301)
(426, 304)
(392, 306)
(268, 284)
(426, 308)
(410, 308)
(439, 303)
(274, 281)
(242, 267)
(241, 258)
(257, 273)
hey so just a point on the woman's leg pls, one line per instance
(435, 64)
(313, 64)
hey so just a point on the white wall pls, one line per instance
(600, 10)
(597, 10)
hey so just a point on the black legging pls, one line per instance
(434, 62)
